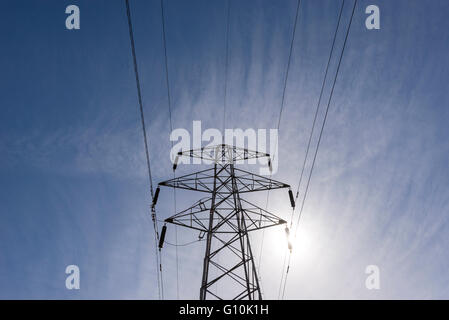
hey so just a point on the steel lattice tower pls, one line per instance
(225, 218)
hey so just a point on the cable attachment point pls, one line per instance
(153, 214)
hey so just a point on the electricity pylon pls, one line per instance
(225, 218)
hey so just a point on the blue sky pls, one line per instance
(74, 190)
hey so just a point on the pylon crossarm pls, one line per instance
(203, 181)
(194, 216)
(257, 216)
(249, 182)
(223, 153)
(197, 216)
(189, 217)
(199, 181)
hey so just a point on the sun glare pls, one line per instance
(302, 244)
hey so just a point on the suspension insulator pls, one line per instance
(292, 200)
(175, 164)
(269, 165)
(162, 238)
(156, 195)
(287, 233)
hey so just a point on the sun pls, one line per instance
(300, 243)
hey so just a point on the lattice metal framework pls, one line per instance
(226, 219)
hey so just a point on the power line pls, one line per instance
(176, 243)
(184, 244)
(139, 95)
(288, 64)
(282, 274)
(280, 113)
(325, 116)
(166, 64)
(147, 154)
(321, 131)
(171, 130)
(226, 65)
(317, 109)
